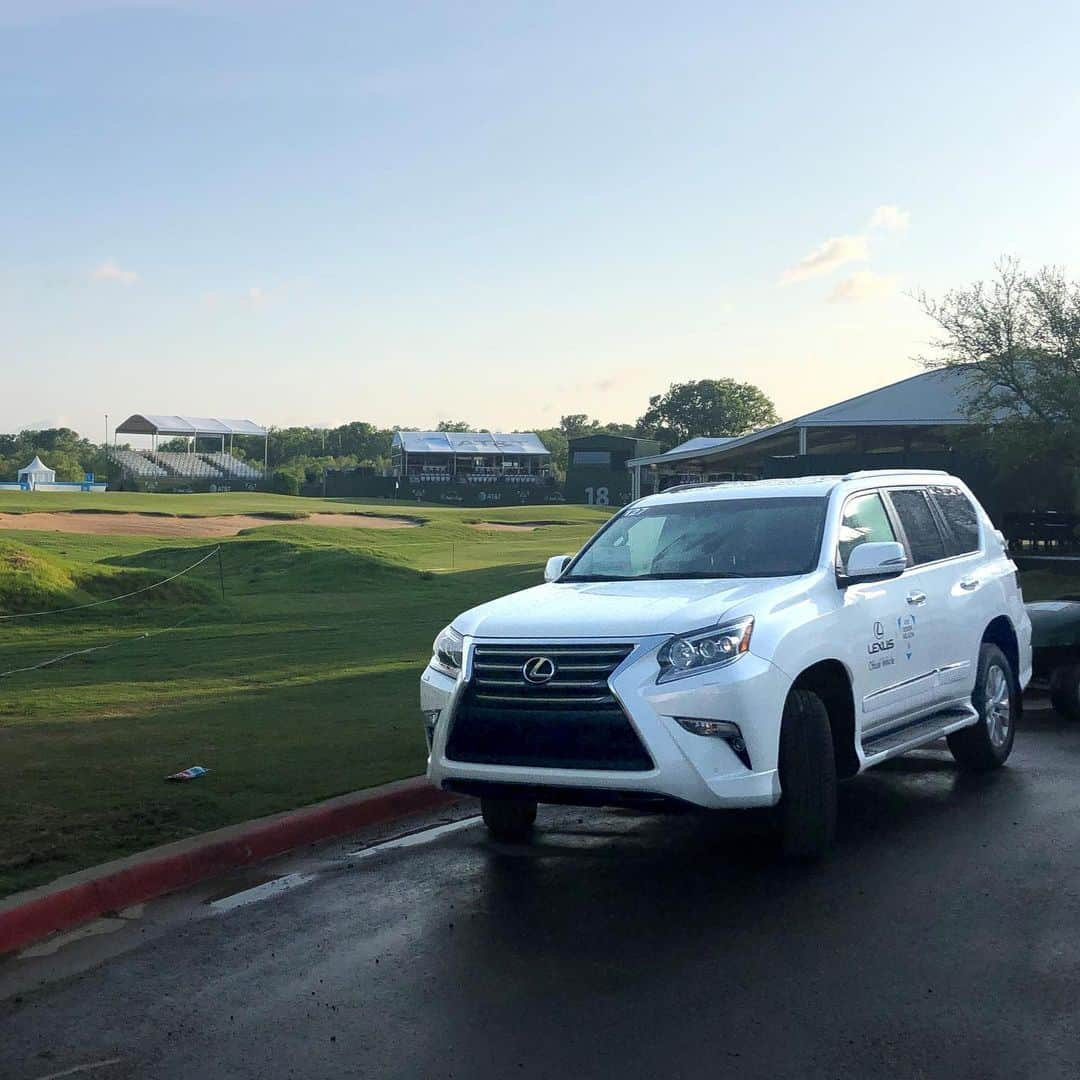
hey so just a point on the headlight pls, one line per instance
(704, 650)
(446, 652)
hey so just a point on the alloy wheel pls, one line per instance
(998, 705)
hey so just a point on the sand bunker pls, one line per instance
(512, 526)
(153, 525)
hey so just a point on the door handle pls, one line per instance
(969, 584)
(916, 599)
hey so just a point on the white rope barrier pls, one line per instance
(111, 599)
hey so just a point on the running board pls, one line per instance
(877, 746)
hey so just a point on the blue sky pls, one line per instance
(309, 213)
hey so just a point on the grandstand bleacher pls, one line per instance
(158, 464)
(131, 461)
(233, 466)
(190, 466)
(195, 468)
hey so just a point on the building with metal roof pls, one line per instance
(469, 457)
(470, 442)
(905, 423)
(596, 472)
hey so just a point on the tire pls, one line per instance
(807, 811)
(509, 819)
(1065, 691)
(987, 744)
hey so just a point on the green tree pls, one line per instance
(707, 407)
(555, 440)
(1018, 339)
(60, 448)
(455, 425)
(285, 482)
(577, 424)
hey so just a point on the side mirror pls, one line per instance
(556, 565)
(875, 561)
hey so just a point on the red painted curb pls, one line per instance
(28, 917)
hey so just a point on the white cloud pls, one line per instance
(109, 271)
(835, 252)
(253, 296)
(863, 285)
(890, 219)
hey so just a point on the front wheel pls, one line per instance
(987, 744)
(509, 819)
(807, 812)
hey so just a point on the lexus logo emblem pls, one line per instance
(538, 670)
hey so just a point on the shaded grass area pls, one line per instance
(301, 684)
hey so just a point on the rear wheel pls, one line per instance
(508, 819)
(1065, 691)
(807, 812)
(987, 744)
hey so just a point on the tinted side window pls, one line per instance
(961, 518)
(865, 521)
(919, 524)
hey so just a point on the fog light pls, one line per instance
(431, 718)
(718, 729)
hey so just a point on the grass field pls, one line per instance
(299, 685)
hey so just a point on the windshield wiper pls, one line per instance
(666, 575)
(599, 577)
(695, 575)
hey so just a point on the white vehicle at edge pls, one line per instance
(738, 645)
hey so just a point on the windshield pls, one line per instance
(720, 538)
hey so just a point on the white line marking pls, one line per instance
(280, 885)
(82, 1068)
(261, 892)
(424, 836)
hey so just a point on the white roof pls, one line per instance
(793, 486)
(702, 442)
(156, 424)
(36, 466)
(929, 399)
(469, 442)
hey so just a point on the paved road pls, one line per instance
(942, 940)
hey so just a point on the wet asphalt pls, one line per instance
(942, 939)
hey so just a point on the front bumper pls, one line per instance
(700, 770)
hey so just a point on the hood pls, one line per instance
(1054, 622)
(613, 609)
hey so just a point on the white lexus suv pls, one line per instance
(738, 645)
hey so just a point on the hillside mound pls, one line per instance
(32, 580)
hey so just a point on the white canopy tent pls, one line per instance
(192, 427)
(37, 472)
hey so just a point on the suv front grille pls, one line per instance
(572, 721)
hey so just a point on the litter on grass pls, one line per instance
(189, 774)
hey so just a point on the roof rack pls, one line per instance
(699, 484)
(859, 474)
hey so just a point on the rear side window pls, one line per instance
(960, 518)
(920, 526)
(865, 521)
